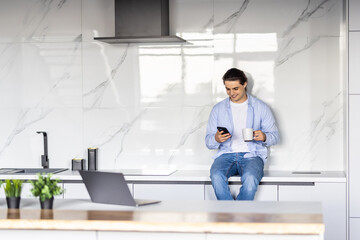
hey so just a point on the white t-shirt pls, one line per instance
(239, 115)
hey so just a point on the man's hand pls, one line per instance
(259, 136)
(220, 138)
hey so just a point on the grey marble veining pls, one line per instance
(99, 90)
(312, 8)
(289, 51)
(22, 124)
(192, 131)
(232, 20)
(40, 21)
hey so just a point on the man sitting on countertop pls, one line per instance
(235, 156)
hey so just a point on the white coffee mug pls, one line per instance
(248, 134)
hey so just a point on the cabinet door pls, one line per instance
(354, 15)
(79, 191)
(102, 235)
(354, 59)
(264, 192)
(75, 191)
(354, 229)
(169, 191)
(354, 155)
(214, 236)
(47, 234)
(333, 199)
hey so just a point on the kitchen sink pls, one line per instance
(31, 170)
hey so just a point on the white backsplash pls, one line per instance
(146, 106)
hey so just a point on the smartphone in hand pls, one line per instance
(224, 129)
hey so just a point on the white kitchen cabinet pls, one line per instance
(354, 229)
(214, 236)
(264, 193)
(354, 16)
(75, 191)
(333, 199)
(354, 156)
(169, 191)
(47, 234)
(78, 191)
(103, 235)
(354, 59)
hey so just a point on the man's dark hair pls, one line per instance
(235, 74)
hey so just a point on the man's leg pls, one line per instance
(251, 171)
(223, 167)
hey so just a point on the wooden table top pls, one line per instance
(152, 220)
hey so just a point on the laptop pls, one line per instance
(110, 188)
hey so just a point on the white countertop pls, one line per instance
(184, 176)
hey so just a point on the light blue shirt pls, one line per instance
(259, 117)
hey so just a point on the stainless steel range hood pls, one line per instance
(141, 21)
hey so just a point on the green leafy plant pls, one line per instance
(12, 187)
(45, 187)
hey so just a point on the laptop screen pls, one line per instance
(107, 187)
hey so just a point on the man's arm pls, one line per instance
(269, 128)
(211, 130)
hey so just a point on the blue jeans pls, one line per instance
(251, 171)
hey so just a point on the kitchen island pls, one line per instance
(183, 219)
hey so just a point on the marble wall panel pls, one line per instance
(41, 75)
(41, 90)
(198, 20)
(354, 18)
(146, 106)
(97, 19)
(177, 75)
(156, 137)
(285, 18)
(40, 21)
(293, 66)
(21, 146)
(110, 75)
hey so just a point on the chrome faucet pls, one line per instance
(44, 158)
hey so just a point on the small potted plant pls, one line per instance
(45, 188)
(12, 189)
